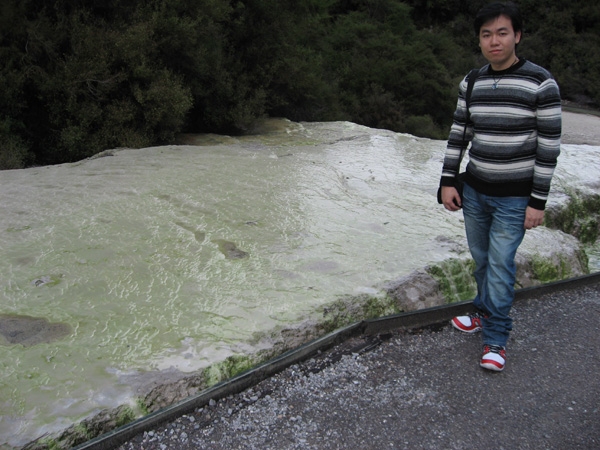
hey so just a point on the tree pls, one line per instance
(82, 76)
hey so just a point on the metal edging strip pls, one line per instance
(416, 319)
(439, 314)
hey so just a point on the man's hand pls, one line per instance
(533, 217)
(450, 198)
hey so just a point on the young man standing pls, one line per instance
(514, 127)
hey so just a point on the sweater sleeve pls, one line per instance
(455, 149)
(549, 129)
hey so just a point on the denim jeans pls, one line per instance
(495, 229)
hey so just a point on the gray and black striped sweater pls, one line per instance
(515, 129)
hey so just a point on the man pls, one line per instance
(514, 127)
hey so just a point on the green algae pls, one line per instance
(80, 433)
(125, 416)
(580, 217)
(232, 366)
(85, 430)
(44, 444)
(351, 309)
(142, 407)
(547, 271)
(18, 229)
(74, 435)
(455, 279)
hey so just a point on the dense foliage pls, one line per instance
(82, 76)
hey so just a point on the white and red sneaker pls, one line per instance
(493, 357)
(470, 323)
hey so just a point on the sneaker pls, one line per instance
(493, 358)
(470, 323)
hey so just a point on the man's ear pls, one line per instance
(518, 37)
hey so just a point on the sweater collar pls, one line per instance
(511, 69)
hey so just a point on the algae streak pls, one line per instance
(580, 217)
(455, 279)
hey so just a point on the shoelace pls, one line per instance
(493, 349)
(477, 315)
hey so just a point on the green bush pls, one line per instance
(14, 153)
(424, 126)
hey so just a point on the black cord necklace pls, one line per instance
(495, 85)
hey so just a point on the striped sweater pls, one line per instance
(514, 129)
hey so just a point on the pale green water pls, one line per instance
(131, 244)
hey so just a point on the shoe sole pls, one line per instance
(474, 330)
(491, 366)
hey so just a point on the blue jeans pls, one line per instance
(495, 229)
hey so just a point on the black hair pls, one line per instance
(495, 10)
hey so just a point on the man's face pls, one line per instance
(498, 41)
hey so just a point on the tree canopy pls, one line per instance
(82, 76)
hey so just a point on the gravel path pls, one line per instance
(421, 390)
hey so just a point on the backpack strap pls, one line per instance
(473, 74)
